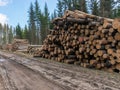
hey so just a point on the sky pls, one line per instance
(13, 12)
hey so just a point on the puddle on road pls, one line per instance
(2, 60)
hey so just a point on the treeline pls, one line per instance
(6, 34)
(38, 23)
(104, 8)
(39, 20)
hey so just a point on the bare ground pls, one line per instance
(18, 72)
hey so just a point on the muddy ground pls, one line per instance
(18, 72)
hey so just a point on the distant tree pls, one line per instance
(83, 5)
(64, 5)
(60, 8)
(37, 21)
(10, 34)
(118, 12)
(5, 33)
(53, 15)
(31, 23)
(26, 33)
(18, 30)
(94, 6)
(106, 8)
(45, 20)
(76, 5)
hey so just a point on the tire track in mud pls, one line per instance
(19, 77)
(6, 82)
(76, 78)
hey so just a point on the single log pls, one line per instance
(75, 20)
(117, 36)
(105, 56)
(112, 62)
(110, 51)
(101, 52)
(107, 24)
(105, 31)
(116, 23)
(70, 61)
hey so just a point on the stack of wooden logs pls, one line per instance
(83, 39)
(33, 49)
(18, 44)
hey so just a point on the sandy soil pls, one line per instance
(24, 73)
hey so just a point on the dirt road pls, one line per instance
(21, 73)
(15, 76)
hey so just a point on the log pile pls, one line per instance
(85, 40)
(18, 44)
(33, 49)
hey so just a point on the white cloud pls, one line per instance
(3, 19)
(4, 2)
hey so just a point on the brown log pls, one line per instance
(110, 38)
(107, 24)
(75, 20)
(110, 51)
(116, 23)
(100, 28)
(112, 62)
(69, 61)
(117, 36)
(105, 31)
(102, 47)
(105, 56)
(101, 52)
(85, 14)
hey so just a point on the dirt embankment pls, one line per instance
(35, 73)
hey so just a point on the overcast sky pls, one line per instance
(16, 11)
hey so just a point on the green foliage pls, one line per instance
(94, 6)
(38, 23)
(60, 8)
(26, 34)
(18, 30)
(10, 34)
(31, 23)
(106, 8)
(6, 34)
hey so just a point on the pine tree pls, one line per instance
(44, 23)
(1, 34)
(37, 21)
(83, 5)
(47, 18)
(10, 35)
(32, 26)
(26, 33)
(53, 15)
(5, 33)
(60, 8)
(106, 8)
(94, 7)
(18, 32)
(69, 5)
